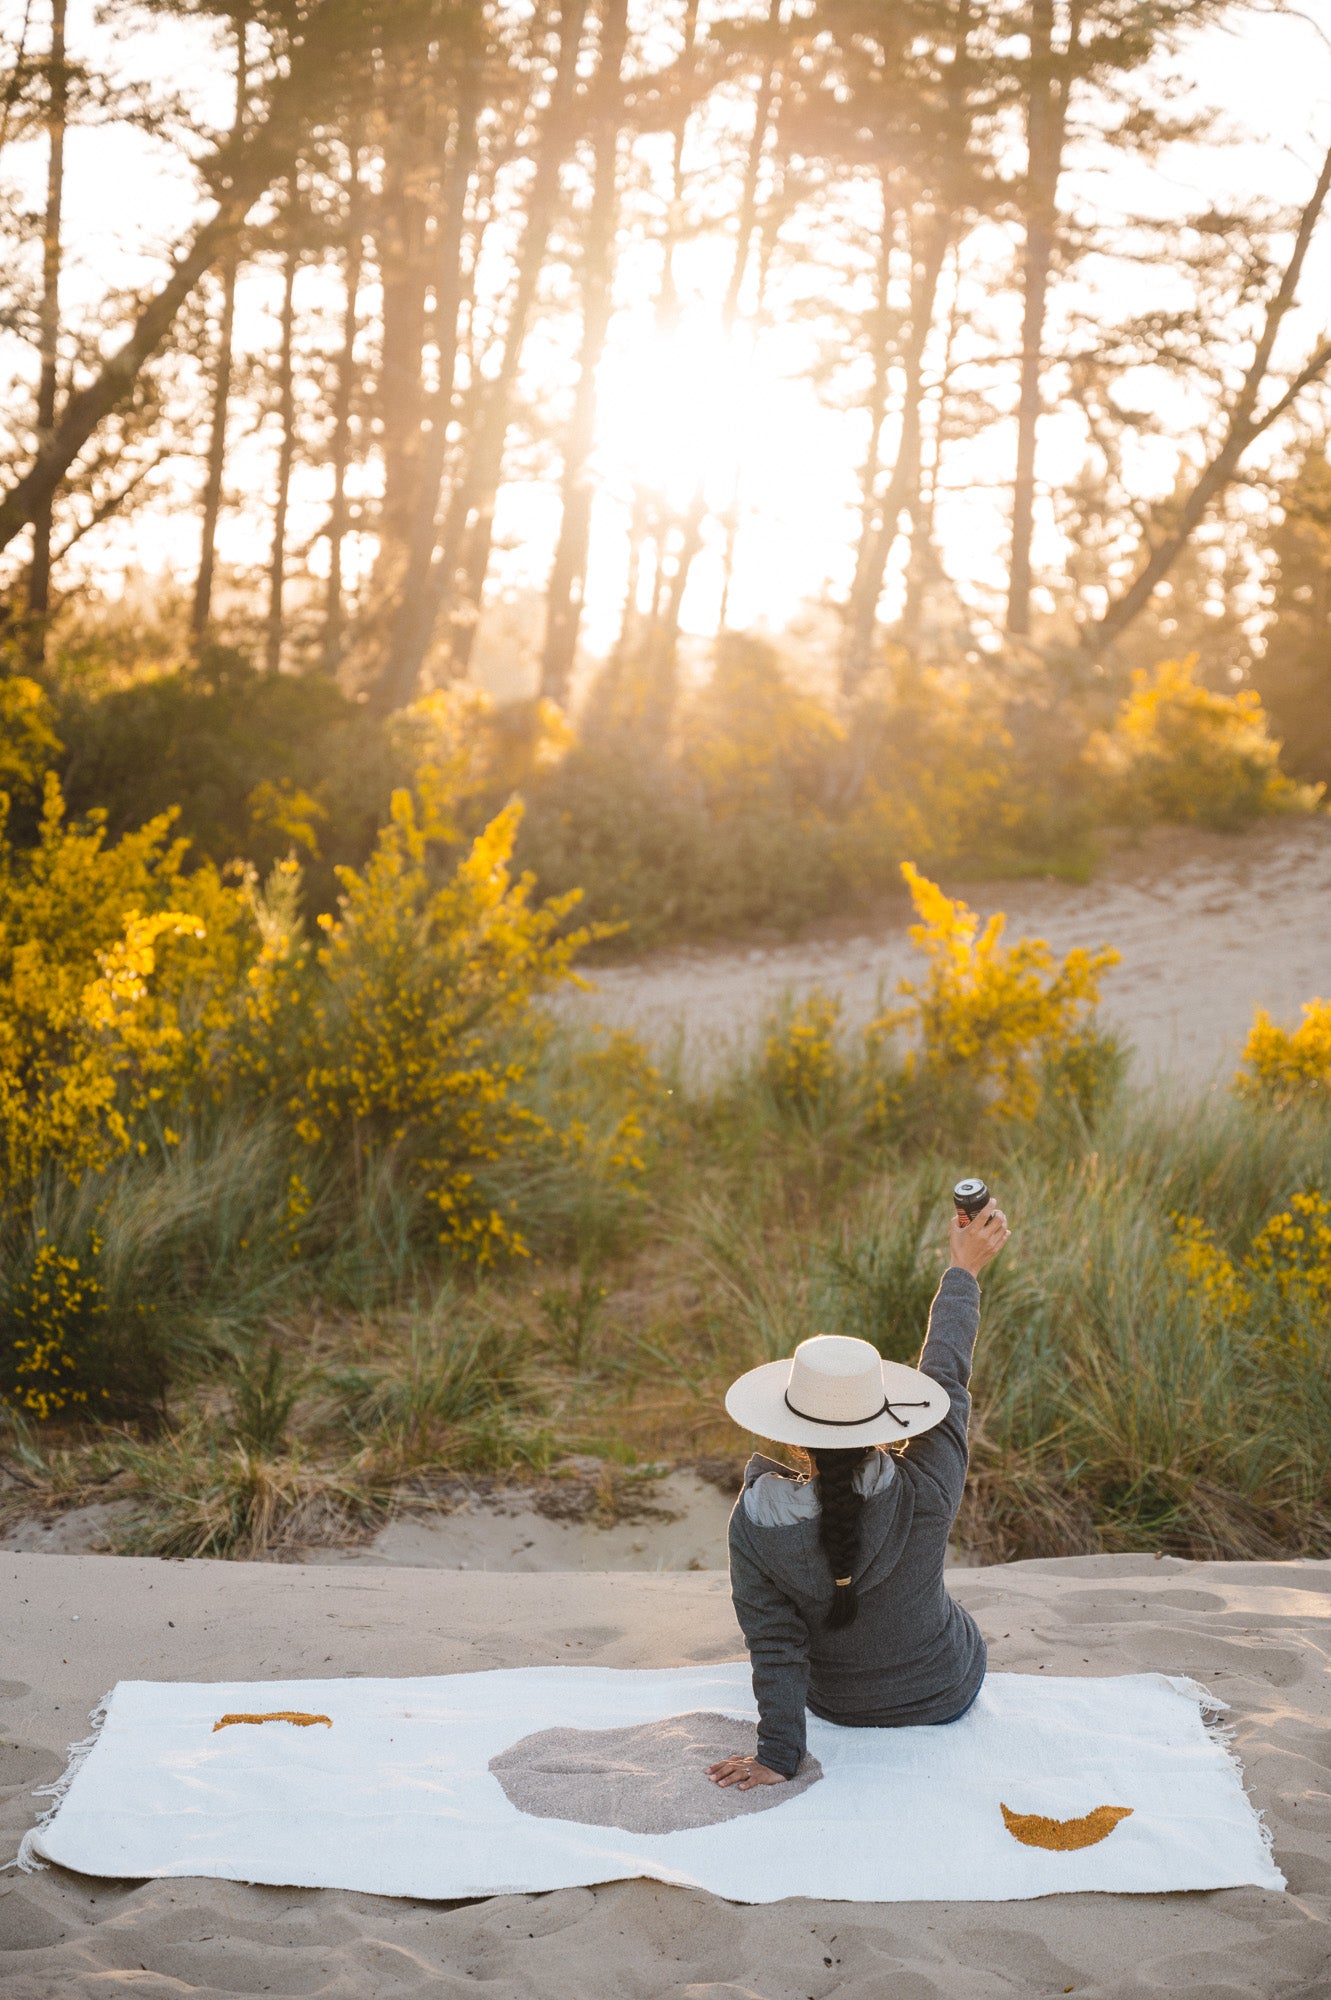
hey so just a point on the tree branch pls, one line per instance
(1242, 428)
(239, 172)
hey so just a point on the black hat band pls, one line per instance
(852, 1423)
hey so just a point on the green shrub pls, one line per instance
(264, 1393)
(251, 764)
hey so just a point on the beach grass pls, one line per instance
(1130, 1392)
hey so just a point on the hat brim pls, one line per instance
(757, 1402)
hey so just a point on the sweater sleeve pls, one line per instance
(954, 1320)
(778, 1642)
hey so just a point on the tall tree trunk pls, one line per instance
(413, 620)
(493, 430)
(402, 236)
(627, 636)
(286, 451)
(903, 483)
(202, 605)
(57, 108)
(568, 573)
(880, 337)
(331, 651)
(924, 568)
(1046, 128)
(636, 628)
(767, 239)
(457, 580)
(882, 519)
(666, 311)
(666, 638)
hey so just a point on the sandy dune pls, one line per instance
(1258, 1634)
(1209, 926)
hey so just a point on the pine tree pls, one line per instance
(1293, 675)
(455, 583)
(285, 386)
(57, 106)
(1074, 53)
(568, 572)
(202, 606)
(903, 98)
(344, 387)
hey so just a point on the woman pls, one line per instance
(837, 1577)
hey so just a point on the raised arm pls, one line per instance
(954, 1321)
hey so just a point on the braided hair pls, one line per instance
(840, 1506)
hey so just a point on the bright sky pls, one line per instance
(668, 414)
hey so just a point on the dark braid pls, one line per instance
(840, 1505)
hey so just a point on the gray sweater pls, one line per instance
(912, 1654)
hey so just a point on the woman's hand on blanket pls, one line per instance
(976, 1242)
(746, 1772)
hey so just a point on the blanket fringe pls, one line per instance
(1223, 1735)
(27, 1860)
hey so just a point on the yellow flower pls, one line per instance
(1287, 1066)
(1293, 1250)
(988, 1011)
(1210, 1271)
(800, 1058)
(54, 1310)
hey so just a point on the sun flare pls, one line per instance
(672, 412)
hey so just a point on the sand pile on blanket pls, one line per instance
(651, 1778)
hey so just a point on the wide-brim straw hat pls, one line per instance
(836, 1393)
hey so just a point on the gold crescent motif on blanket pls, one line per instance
(295, 1715)
(1034, 1830)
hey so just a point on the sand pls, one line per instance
(651, 1778)
(1209, 925)
(1258, 1633)
(521, 1529)
(681, 1524)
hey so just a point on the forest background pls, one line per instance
(490, 482)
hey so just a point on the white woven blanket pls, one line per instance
(392, 1792)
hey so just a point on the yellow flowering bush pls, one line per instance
(139, 998)
(608, 1108)
(28, 742)
(1179, 751)
(1288, 1264)
(411, 1026)
(934, 764)
(800, 1056)
(465, 749)
(53, 1309)
(90, 1031)
(1293, 1251)
(287, 812)
(1288, 1066)
(1208, 1270)
(989, 1015)
(610, 1111)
